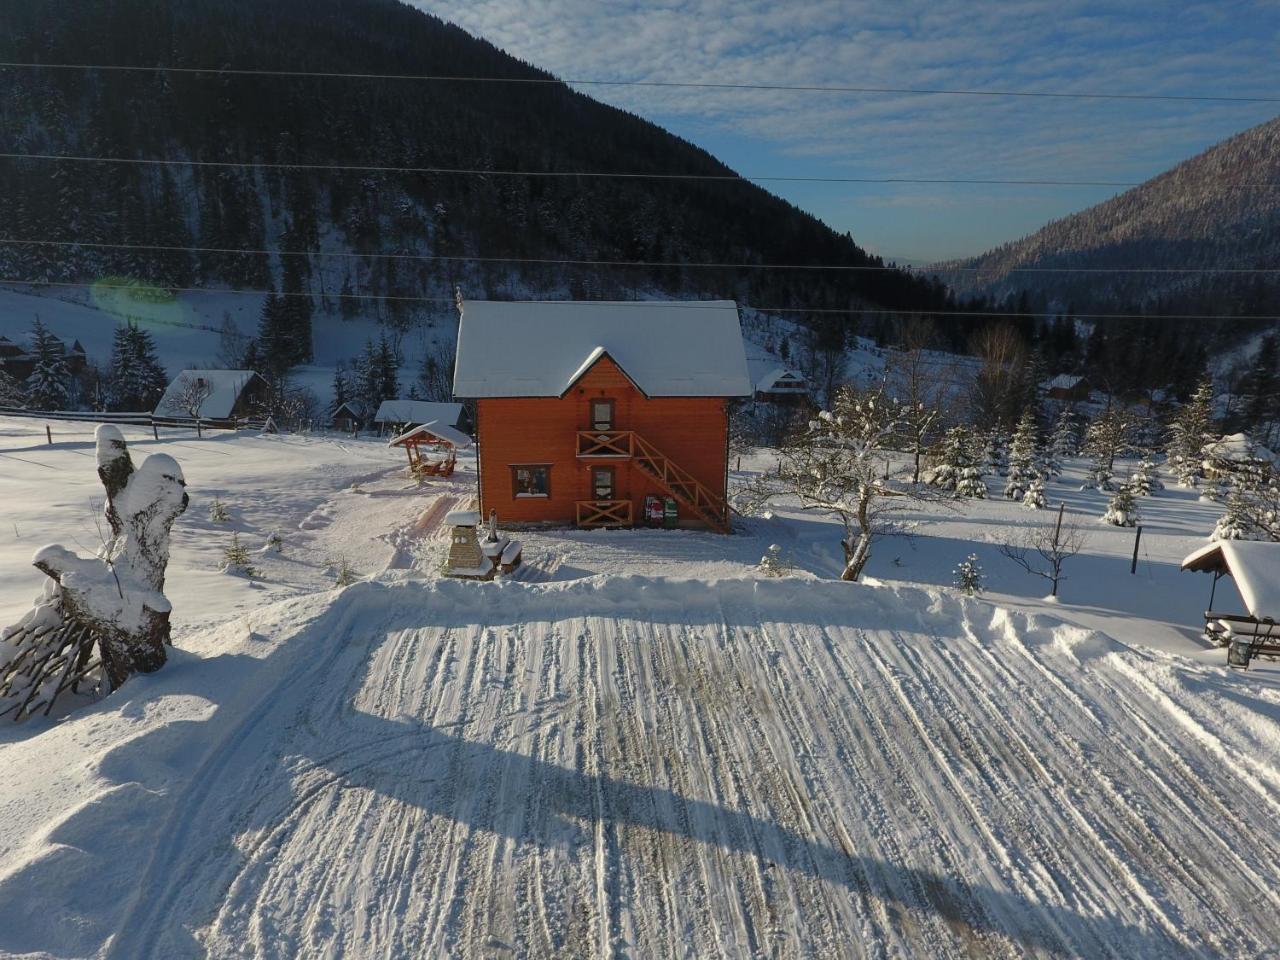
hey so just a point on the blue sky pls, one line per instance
(1227, 47)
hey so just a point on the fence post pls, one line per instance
(198, 433)
(1137, 538)
(155, 431)
(48, 434)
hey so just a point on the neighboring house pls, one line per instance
(18, 362)
(781, 385)
(226, 394)
(348, 417)
(1234, 453)
(396, 416)
(1066, 386)
(597, 414)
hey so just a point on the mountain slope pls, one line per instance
(387, 123)
(1201, 213)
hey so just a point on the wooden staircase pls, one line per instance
(674, 479)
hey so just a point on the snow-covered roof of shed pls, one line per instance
(538, 349)
(418, 411)
(1254, 565)
(441, 431)
(1237, 446)
(1065, 381)
(224, 386)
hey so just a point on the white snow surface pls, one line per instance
(650, 767)
(636, 745)
(224, 390)
(538, 349)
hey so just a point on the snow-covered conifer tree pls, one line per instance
(967, 576)
(1190, 430)
(1122, 510)
(48, 385)
(1234, 523)
(11, 394)
(1022, 457)
(1034, 498)
(995, 456)
(1144, 481)
(957, 457)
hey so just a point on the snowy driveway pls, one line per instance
(654, 768)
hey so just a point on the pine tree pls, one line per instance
(1234, 522)
(1144, 481)
(1035, 499)
(1066, 439)
(1191, 429)
(11, 394)
(1262, 410)
(137, 379)
(48, 385)
(388, 365)
(341, 385)
(275, 350)
(295, 308)
(1022, 457)
(1106, 438)
(996, 453)
(1122, 510)
(956, 456)
(967, 576)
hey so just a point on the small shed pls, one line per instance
(213, 394)
(399, 415)
(349, 416)
(432, 449)
(1069, 386)
(1254, 567)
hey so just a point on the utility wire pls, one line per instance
(649, 264)
(661, 304)
(586, 174)
(690, 84)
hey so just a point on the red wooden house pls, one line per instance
(586, 411)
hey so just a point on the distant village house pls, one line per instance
(1067, 386)
(397, 416)
(213, 394)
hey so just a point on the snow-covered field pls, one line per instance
(637, 746)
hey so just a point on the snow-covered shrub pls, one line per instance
(275, 543)
(1122, 510)
(1234, 523)
(235, 558)
(772, 564)
(1034, 498)
(968, 576)
(218, 512)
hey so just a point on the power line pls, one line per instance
(587, 174)
(648, 264)
(689, 84)
(661, 304)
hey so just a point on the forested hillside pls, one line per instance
(228, 118)
(1216, 212)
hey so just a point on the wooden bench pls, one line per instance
(1253, 637)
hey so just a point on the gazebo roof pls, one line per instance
(440, 431)
(1254, 566)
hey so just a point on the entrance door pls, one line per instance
(602, 486)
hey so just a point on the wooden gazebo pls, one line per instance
(432, 449)
(1254, 567)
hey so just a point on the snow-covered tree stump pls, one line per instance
(99, 619)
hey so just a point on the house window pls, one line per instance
(601, 414)
(531, 480)
(602, 483)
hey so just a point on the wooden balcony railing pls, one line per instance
(604, 513)
(617, 444)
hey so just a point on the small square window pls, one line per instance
(533, 480)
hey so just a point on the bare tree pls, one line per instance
(190, 395)
(913, 379)
(998, 385)
(837, 465)
(1042, 551)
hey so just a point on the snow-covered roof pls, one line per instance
(441, 431)
(462, 518)
(774, 378)
(1065, 381)
(225, 387)
(1254, 565)
(418, 411)
(1237, 447)
(538, 349)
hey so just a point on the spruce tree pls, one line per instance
(275, 351)
(1022, 457)
(295, 313)
(49, 384)
(1190, 430)
(11, 394)
(1262, 410)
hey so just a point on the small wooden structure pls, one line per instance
(432, 449)
(472, 557)
(1068, 386)
(1254, 567)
